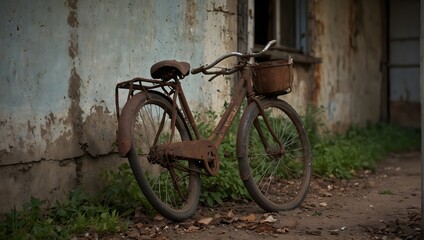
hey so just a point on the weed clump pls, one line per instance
(341, 156)
(78, 214)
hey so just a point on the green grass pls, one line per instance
(360, 148)
(79, 214)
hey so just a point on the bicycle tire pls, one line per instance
(276, 180)
(153, 115)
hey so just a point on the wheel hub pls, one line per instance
(275, 152)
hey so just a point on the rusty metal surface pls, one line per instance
(273, 77)
(124, 134)
(197, 150)
(205, 151)
(239, 94)
(146, 86)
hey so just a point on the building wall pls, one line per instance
(60, 62)
(347, 36)
(302, 88)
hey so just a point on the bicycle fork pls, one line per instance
(273, 152)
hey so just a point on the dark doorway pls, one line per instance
(404, 62)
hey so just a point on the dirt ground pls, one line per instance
(385, 204)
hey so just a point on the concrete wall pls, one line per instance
(347, 36)
(60, 61)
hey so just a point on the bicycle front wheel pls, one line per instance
(171, 186)
(276, 174)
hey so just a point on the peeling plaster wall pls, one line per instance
(60, 62)
(34, 73)
(302, 87)
(347, 36)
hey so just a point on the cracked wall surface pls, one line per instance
(347, 36)
(60, 63)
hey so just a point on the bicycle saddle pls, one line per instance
(169, 69)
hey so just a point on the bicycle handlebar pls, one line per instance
(247, 56)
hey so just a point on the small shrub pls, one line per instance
(32, 222)
(122, 192)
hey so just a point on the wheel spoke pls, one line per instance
(279, 177)
(166, 185)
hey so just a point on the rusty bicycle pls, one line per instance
(167, 154)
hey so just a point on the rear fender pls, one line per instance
(126, 121)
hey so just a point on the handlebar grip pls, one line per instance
(197, 70)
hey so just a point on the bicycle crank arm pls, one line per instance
(204, 151)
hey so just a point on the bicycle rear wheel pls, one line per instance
(168, 185)
(277, 178)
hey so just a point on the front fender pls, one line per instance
(126, 122)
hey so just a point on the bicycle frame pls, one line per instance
(199, 149)
(167, 154)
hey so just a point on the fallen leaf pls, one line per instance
(138, 225)
(205, 221)
(323, 204)
(249, 218)
(192, 228)
(269, 219)
(265, 228)
(156, 228)
(158, 217)
(227, 220)
(282, 230)
(133, 233)
(241, 225)
(326, 194)
(230, 214)
(252, 226)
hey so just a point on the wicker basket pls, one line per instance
(273, 77)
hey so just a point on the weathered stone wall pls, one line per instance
(347, 36)
(60, 62)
